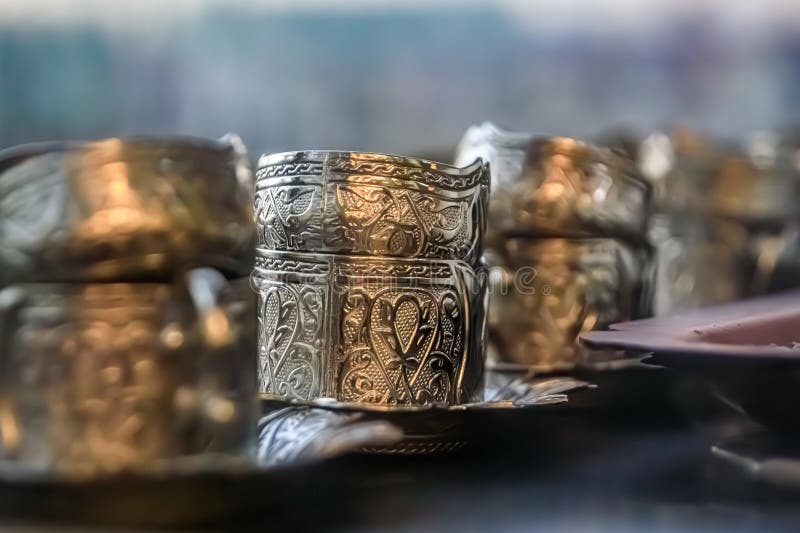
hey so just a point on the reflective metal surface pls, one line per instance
(545, 292)
(698, 262)
(296, 435)
(759, 185)
(99, 379)
(438, 429)
(124, 209)
(505, 390)
(726, 217)
(384, 331)
(557, 186)
(756, 181)
(680, 165)
(566, 234)
(371, 204)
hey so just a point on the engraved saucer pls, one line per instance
(434, 429)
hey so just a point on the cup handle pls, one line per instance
(11, 301)
(768, 253)
(243, 168)
(205, 286)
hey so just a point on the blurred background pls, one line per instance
(403, 76)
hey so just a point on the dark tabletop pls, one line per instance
(632, 455)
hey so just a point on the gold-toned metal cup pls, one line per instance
(371, 204)
(698, 262)
(129, 209)
(545, 292)
(679, 164)
(566, 243)
(726, 217)
(98, 379)
(557, 186)
(754, 183)
(381, 331)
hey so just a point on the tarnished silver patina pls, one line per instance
(127, 209)
(384, 331)
(98, 379)
(371, 204)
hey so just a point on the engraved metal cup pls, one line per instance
(566, 240)
(371, 204)
(386, 332)
(97, 379)
(726, 217)
(545, 292)
(557, 186)
(124, 209)
(699, 262)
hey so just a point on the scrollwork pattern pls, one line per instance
(350, 166)
(403, 339)
(290, 340)
(396, 222)
(289, 217)
(354, 206)
(367, 219)
(401, 347)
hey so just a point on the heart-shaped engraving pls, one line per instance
(402, 332)
(407, 322)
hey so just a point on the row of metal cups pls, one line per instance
(369, 278)
(127, 317)
(127, 326)
(128, 320)
(577, 243)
